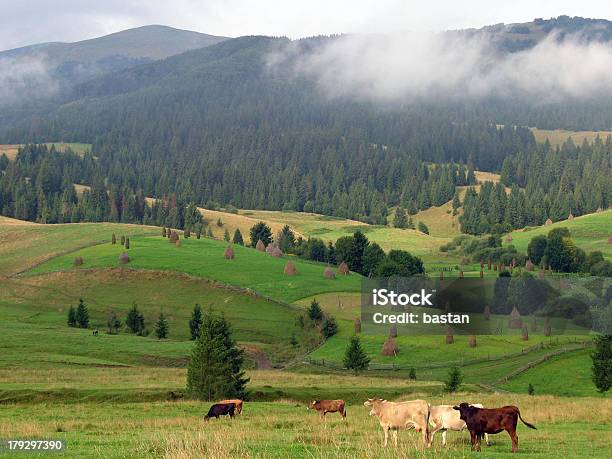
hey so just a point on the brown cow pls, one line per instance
(237, 403)
(491, 421)
(328, 406)
(405, 415)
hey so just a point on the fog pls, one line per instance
(453, 65)
(24, 79)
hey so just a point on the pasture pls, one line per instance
(79, 148)
(589, 232)
(283, 428)
(557, 137)
(257, 271)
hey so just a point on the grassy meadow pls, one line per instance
(557, 137)
(589, 232)
(204, 258)
(80, 148)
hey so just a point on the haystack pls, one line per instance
(329, 273)
(260, 246)
(343, 269)
(390, 347)
(229, 253)
(124, 258)
(515, 321)
(290, 269)
(472, 341)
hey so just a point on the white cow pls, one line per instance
(444, 417)
(405, 415)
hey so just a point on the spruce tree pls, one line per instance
(238, 237)
(453, 380)
(72, 321)
(82, 315)
(226, 235)
(113, 324)
(315, 313)
(135, 320)
(161, 327)
(401, 219)
(261, 232)
(215, 368)
(195, 323)
(355, 358)
(602, 363)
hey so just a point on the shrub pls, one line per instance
(290, 269)
(161, 327)
(412, 373)
(78, 261)
(329, 273)
(602, 363)
(329, 328)
(530, 389)
(72, 321)
(122, 240)
(229, 253)
(127, 243)
(124, 258)
(163, 231)
(113, 239)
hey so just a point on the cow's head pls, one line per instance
(313, 405)
(374, 404)
(464, 410)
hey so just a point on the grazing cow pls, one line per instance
(236, 401)
(491, 420)
(405, 415)
(220, 409)
(328, 406)
(444, 417)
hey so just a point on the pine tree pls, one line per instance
(135, 320)
(237, 239)
(355, 358)
(602, 363)
(315, 313)
(453, 380)
(113, 324)
(329, 327)
(82, 315)
(195, 323)
(161, 327)
(72, 320)
(226, 235)
(261, 232)
(215, 368)
(401, 219)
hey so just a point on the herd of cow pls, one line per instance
(415, 414)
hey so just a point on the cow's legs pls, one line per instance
(472, 439)
(478, 438)
(395, 437)
(487, 440)
(444, 437)
(425, 435)
(386, 429)
(514, 438)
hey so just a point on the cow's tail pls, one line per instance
(531, 426)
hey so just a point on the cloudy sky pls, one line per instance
(24, 22)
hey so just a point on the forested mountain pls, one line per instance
(224, 124)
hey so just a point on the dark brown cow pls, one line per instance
(491, 421)
(220, 409)
(328, 406)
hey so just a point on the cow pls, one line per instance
(444, 417)
(220, 409)
(405, 415)
(491, 420)
(328, 406)
(236, 401)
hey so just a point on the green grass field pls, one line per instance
(589, 232)
(251, 269)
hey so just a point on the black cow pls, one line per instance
(220, 409)
(480, 421)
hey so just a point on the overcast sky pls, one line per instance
(24, 22)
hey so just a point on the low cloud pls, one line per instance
(450, 65)
(25, 79)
